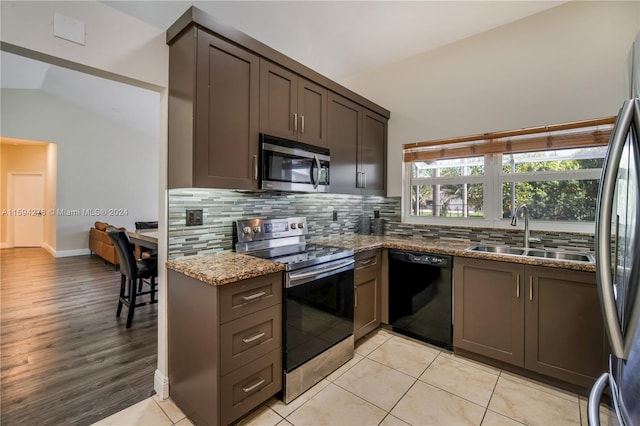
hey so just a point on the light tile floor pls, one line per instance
(393, 380)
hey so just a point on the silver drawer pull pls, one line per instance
(366, 262)
(252, 338)
(252, 387)
(253, 296)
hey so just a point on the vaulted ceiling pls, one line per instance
(336, 38)
(343, 38)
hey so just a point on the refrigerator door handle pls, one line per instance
(593, 407)
(620, 344)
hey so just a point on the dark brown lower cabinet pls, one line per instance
(367, 286)
(546, 320)
(489, 309)
(564, 331)
(225, 346)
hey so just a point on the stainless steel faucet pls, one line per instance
(525, 214)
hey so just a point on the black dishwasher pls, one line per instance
(420, 296)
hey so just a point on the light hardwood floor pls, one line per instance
(65, 357)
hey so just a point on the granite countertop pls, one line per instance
(229, 267)
(223, 268)
(359, 243)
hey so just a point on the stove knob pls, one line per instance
(246, 230)
(257, 229)
(293, 226)
(300, 225)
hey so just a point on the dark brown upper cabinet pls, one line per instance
(372, 160)
(358, 146)
(226, 87)
(292, 107)
(213, 113)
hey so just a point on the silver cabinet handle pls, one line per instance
(302, 124)
(255, 167)
(253, 338)
(530, 287)
(620, 344)
(366, 262)
(356, 297)
(364, 174)
(359, 179)
(253, 386)
(253, 296)
(593, 407)
(518, 287)
(295, 123)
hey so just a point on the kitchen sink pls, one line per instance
(548, 254)
(561, 255)
(499, 250)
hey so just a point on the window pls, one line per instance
(448, 188)
(555, 173)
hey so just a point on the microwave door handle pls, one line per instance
(315, 181)
(604, 206)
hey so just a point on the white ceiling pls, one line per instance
(336, 38)
(343, 38)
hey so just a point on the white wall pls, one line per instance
(118, 47)
(101, 164)
(50, 197)
(116, 44)
(565, 64)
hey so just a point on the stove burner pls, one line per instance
(300, 256)
(288, 246)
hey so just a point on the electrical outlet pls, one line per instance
(194, 217)
(335, 215)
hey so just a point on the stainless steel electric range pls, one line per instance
(317, 298)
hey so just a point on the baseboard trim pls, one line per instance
(5, 245)
(69, 253)
(50, 249)
(161, 385)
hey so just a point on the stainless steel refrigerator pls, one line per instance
(618, 269)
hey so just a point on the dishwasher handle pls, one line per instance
(421, 258)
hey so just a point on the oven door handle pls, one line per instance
(317, 272)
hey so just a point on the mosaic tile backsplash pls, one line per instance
(221, 208)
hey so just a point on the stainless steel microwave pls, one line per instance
(288, 165)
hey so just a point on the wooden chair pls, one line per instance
(133, 271)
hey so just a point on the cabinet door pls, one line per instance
(367, 293)
(489, 309)
(312, 113)
(372, 154)
(227, 102)
(278, 101)
(345, 122)
(565, 335)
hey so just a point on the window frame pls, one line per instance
(493, 179)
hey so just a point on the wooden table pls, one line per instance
(144, 238)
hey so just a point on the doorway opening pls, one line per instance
(28, 188)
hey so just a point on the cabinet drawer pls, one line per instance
(367, 259)
(249, 386)
(250, 337)
(249, 296)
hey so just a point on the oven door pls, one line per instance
(318, 310)
(293, 168)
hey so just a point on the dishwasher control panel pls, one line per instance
(422, 258)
